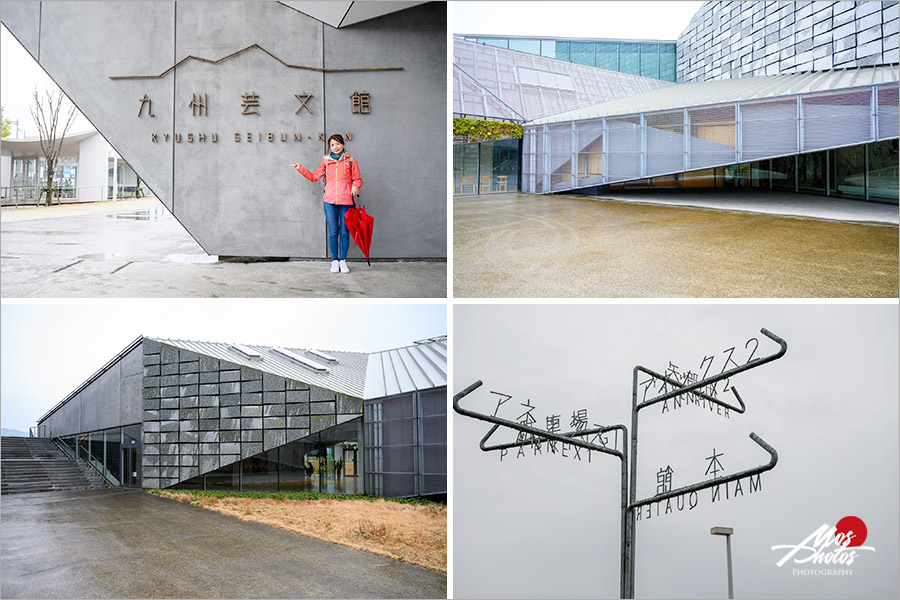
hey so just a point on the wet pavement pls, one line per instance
(129, 544)
(516, 245)
(135, 248)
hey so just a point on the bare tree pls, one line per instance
(46, 113)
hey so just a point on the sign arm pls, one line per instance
(497, 421)
(773, 460)
(695, 387)
(567, 438)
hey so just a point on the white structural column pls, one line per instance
(604, 157)
(643, 132)
(873, 104)
(575, 149)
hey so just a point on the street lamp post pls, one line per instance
(726, 531)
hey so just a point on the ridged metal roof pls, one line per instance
(420, 366)
(347, 375)
(403, 370)
(685, 95)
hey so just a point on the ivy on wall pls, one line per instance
(476, 130)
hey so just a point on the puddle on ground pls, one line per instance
(154, 214)
(191, 259)
(100, 256)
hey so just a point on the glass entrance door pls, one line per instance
(131, 466)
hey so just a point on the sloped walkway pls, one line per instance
(128, 544)
(768, 202)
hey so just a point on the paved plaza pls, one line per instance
(121, 543)
(708, 246)
(135, 248)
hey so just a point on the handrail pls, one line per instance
(64, 448)
(103, 472)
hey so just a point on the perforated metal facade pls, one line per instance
(621, 147)
(406, 451)
(495, 83)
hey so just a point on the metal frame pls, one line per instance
(738, 124)
(629, 501)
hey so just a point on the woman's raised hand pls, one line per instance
(295, 165)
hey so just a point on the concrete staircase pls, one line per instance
(37, 465)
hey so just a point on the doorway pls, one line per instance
(131, 467)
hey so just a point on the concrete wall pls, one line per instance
(200, 413)
(113, 399)
(93, 165)
(741, 39)
(241, 197)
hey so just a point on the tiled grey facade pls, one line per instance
(743, 39)
(201, 413)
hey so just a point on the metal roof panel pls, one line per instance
(686, 95)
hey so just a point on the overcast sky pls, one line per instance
(548, 526)
(603, 19)
(19, 76)
(47, 350)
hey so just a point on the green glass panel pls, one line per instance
(582, 53)
(650, 60)
(630, 58)
(608, 55)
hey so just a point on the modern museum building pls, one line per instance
(790, 96)
(173, 413)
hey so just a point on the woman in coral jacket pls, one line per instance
(342, 183)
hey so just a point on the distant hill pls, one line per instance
(13, 432)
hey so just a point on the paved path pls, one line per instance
(516, 245)
(128, 544)
(136, 249)
(770, 203)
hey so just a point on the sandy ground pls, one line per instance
(413, 533)
(513, 245)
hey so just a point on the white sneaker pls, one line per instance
(334, 266)
(344, 267)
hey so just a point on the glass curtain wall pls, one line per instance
(326, 462)
(486, 167)
(114, 453)
(648, 59)
(867, 171)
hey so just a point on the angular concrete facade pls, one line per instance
(214, 138)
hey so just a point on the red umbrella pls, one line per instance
(360, 225)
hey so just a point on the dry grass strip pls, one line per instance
(416, 534)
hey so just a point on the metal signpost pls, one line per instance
(674, 387)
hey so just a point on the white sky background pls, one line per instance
(545, 526)
(602, 19)
(20, 74)
(47, 350)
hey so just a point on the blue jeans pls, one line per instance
(334, 218)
